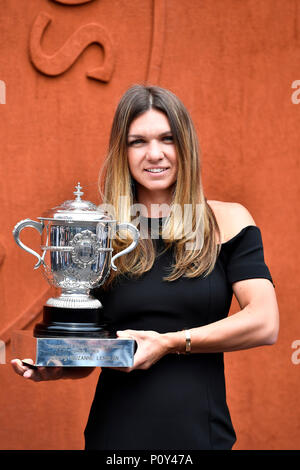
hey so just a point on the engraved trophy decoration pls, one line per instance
(77, 257)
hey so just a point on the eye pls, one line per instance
(135, 142)
(168, 139)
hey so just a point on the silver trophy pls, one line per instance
(76, 257)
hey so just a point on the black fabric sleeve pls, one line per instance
(246, 256)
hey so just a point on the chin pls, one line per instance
(159, 187)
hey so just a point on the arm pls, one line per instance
(256, 324)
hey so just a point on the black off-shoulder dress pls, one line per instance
(179, 403)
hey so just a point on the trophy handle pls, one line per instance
(16, 232)
(136, 235)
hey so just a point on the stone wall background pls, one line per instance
(64, 65)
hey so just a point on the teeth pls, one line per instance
(156, 170)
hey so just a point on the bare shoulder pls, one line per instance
(232, 217)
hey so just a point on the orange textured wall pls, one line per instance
(63, 66)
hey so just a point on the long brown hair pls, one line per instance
(116, 182)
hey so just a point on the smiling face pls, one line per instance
(152, 155)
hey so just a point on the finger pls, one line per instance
(30, 374)
(127, 333)
(30, 361)
(18, 366)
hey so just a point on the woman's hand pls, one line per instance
(38, 374)
(151, 346)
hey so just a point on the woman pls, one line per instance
(172, 293)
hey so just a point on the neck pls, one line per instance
(156, 204)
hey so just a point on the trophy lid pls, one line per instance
(77, 210)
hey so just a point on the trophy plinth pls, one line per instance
(84, 323)
(73, 351)
(76, 258)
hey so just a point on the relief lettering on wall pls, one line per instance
(294, 97)
(296, 354)
(2, 92)
(64, 58)
(72, 2)
(2, 352)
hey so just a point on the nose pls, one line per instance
(154, 151)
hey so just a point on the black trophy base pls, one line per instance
(71, 322)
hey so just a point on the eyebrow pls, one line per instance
(143, 135)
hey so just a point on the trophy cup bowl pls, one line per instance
(77, 255)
